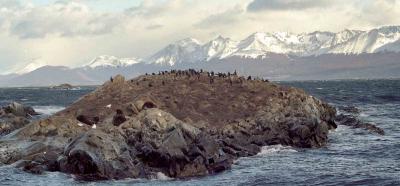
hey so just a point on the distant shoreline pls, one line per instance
(277, 81)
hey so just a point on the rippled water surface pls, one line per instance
(353, 156)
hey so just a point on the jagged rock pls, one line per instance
(15, 116)
(18, 109)
(101, 155)
(354, 122)
(192, 127)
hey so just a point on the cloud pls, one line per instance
(260, 5)
(66, 19)
(153, 8)
(227, 17)
(378, 13)
(75, 31)
(154, 27)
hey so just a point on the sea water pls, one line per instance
(352, 156)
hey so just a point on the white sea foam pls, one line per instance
(273, 149)
(48, 110)
(162, 176)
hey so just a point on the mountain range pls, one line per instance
(347, 54)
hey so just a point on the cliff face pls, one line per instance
(180, 123)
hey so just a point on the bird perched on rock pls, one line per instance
(87, 120)
(119, 118)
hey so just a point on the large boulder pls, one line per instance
(99, 155)
(15, 116)
(174, 147)
(18, 109)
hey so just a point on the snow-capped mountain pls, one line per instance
(35, 64)
(218, 48)
(186, 50)
(261, 44)
(278, 55)
(369, 41)
(111, 61)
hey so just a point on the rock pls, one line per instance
(64, 86)
(350, 109)
(34, 168)
(100, 155)
(12, 124)
(188, 128)
(144, 102)
(18, 109)
(354, 122)
(118, 80)
(15, 116)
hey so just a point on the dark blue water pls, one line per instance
(353, 156)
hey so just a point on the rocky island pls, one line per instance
(64, 86)
(179, 123)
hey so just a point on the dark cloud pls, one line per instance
(260, 5)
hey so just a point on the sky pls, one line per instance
(72, 33)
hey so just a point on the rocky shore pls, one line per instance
(179, 123)
(15, 116)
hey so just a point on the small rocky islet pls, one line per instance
(179, 123)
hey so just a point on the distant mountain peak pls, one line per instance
(35, 64)
(175, 53)
(111, 61)
(262, 44)
(187, 41)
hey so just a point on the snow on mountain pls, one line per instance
(186, 50)
(262, 44)
(393, 47)
(219, 48)
(30, 67)
(368, 41)
(111, 61)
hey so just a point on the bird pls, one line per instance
(94, 126)
(80, 124)
(119, 118)
(108, 106)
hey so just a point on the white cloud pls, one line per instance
(261, 5)
(228, 17)
(61, 18)
(73, 32)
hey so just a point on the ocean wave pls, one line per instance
(274, 149)
(48, 110)
(161, 176)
